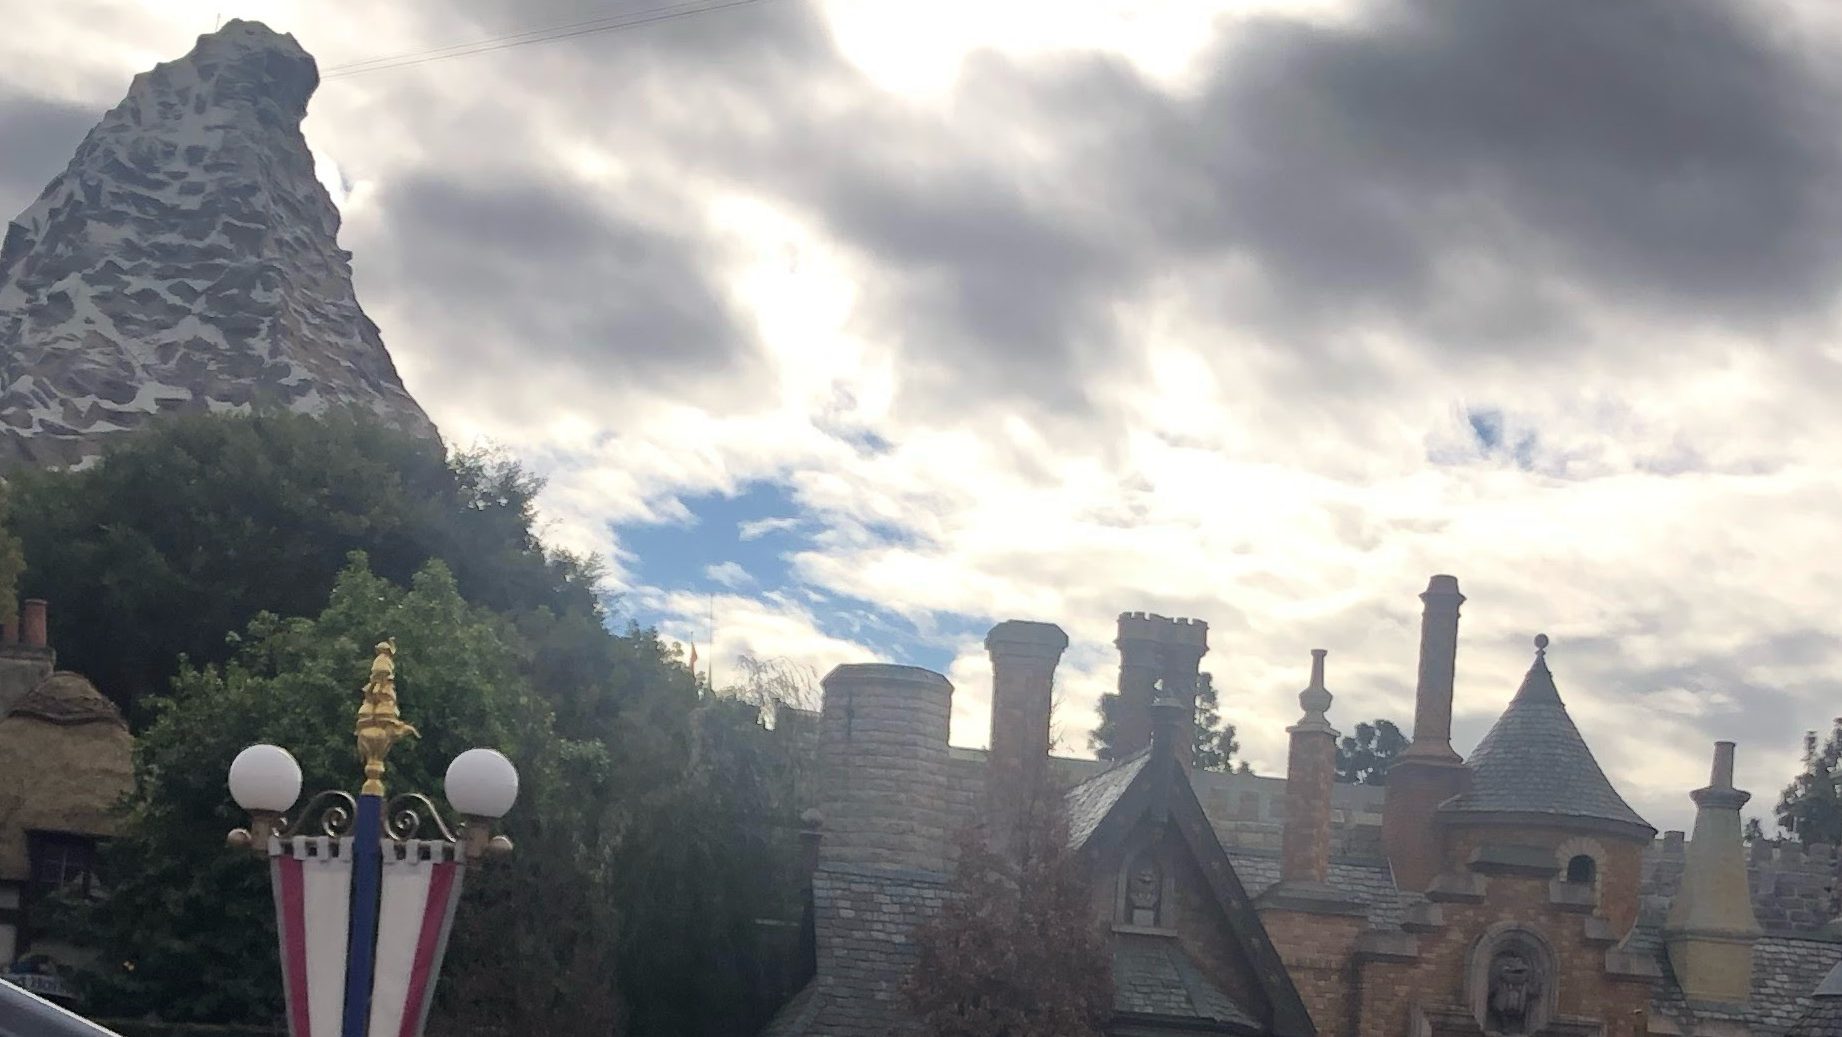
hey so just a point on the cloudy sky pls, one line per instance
(872, 323)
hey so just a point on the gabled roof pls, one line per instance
(1534, 761)
(1087, 804)
(1158, 788)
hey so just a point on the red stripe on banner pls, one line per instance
(294, 943)
(421, 977)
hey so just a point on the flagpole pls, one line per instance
(712, 664)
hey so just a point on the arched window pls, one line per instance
(1580, 869)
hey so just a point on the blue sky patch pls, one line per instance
(1496, 441)
(741, 544)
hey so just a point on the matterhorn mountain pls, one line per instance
(187, 260)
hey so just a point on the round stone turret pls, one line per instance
(883, 752)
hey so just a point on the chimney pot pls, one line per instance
(1722, 777)
(32, 623)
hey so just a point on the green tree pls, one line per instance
(1364, 758)
(1215, 745)
(1214, 742)
(185, 532)
(1809, 808)
(1014, 951)
(12, 563)
(188, 927)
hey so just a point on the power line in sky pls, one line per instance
(630, 20)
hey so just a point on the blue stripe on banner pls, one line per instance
(367, 863)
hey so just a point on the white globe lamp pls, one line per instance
(482, 783)
(265, 779)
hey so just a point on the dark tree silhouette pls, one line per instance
(1015, 951)
(1364, 757)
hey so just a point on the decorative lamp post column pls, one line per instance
(362, 904)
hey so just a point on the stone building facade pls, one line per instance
(1511, 892)
(66, 758)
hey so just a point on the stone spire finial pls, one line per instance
(1315, 699)
(1711, 927)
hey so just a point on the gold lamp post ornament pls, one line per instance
(389, 918)
(380, 726)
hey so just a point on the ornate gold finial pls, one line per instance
(379, 723)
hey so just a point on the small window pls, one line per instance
(59, 859)
(1581, 870)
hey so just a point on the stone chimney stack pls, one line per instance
(1023, 660)
(1432, 707)
(883, 768)
(1428, 773)
(1139, 663)
(1159, 658)
(1711, 928)
(1311, 770)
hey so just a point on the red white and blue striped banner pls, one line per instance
(312, 879)
(313, 883)
(421, 884)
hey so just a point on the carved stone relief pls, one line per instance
(1510, 981)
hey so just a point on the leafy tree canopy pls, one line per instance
(190, 926)
(183, 533)
(654, 825)
(1214, 742)
(1809, 807)
(1364, 757)
(12, 564)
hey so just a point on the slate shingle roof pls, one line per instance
(1153, 976)
(1824, 1016)
(1534, 761)
(1787, 968)
(865, 920)
(1088, 803)
(1369, 882)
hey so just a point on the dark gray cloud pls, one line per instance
(37, 139)
(1668, 153)
(1464, 172)
(502, 259)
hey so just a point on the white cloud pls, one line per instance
(1673, 529)
(730, 575)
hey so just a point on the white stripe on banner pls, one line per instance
(408, 867)
(326, 874)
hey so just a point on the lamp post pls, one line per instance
(362, 903)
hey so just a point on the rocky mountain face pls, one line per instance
(186, 260)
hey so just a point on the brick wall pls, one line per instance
(1317, 953)
(1436, 976)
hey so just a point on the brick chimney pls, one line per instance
(32, 623)
(1023, 660)
(1711, 928)
(26, 657)
(1428, 772)
(1311, 770)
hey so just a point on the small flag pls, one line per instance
(693, 658)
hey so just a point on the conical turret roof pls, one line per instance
(1534, 761)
